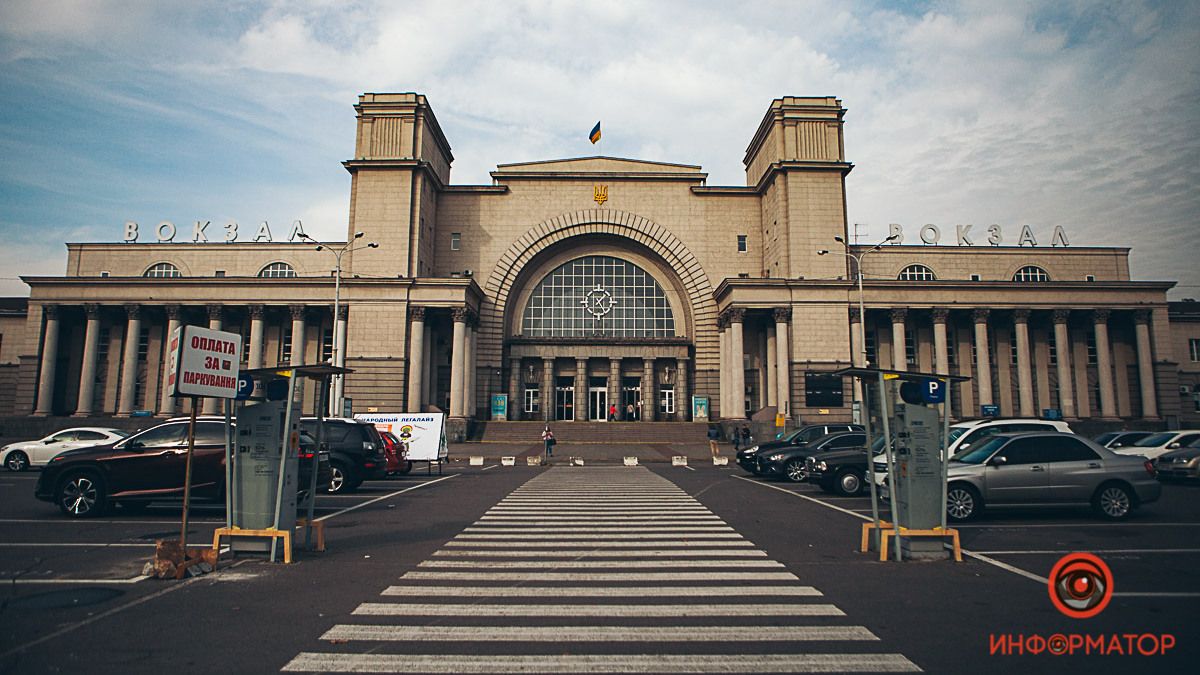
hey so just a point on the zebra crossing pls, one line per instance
(620, 571)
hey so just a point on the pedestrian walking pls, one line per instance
(612, 413)
(747, 439)
(629, 413)
(737, 440)
(549, 440)
(714, 436)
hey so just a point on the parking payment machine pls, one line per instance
(917, 455)
(256, 472)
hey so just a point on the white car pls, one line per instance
(24, 454)
(1154, 445)
(965, 434)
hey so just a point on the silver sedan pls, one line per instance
(1047, 468)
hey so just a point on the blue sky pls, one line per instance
(1079, 114)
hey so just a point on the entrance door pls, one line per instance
(631, 393)
(564, 400)
(597, 404)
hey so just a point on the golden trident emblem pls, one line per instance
(600, 194)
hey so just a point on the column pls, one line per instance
(723, 371)
(649, 404)
(983, 366)
(129, 362)
(857, 359)
(45, 399)
(215, 322)
(614, 386)
(339, 359)
(1145, 362)
(1062, 354)
(458, 362)
(428, 385)
(87, 378)
(416, 354)
(941, 354)
(783, 322)
(166, 405)
(254, 359)
(683, 401)
(772, 381)
(470, 374)
(515, 402)
(736, 358)
(548, 393)
(297, 344)
(899, 345)
(1108, 400)
(1024, 367)
(582, 395)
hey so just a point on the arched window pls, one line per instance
(277, 270)
(916, 273)
(1031, 273)
(598, 296)
(162, 270)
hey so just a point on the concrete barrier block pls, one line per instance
(508, 461)
(476, 460)
(576, 461)
(631, 461)
(720, 461)
(679, 460)
(533, 460)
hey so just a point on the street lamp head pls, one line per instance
(839, 240)
(372, 245)
(823, 251)
(892, 237)
(320, 247)
(358, 235)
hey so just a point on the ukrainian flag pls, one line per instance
(595, 135)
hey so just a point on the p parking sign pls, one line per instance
(934, 391)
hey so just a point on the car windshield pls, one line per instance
(955, 432)
(120, 433)
(980, 452)
(1154, 440)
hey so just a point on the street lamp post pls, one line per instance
(339, 357)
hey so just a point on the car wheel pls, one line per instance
(963, 502)
(340, 479)
(795, 471)
(848, 483)
(16, 461)
(1113, 501)
(405, 468)
(81, 495)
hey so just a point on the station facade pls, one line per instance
(583, 287)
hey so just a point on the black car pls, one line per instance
(842, 471)
(746, 456)
(150, 466)
(1118, 439)
(789, 462)
(356, 451)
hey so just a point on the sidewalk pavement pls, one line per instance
(597, 453)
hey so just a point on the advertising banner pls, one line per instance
(204, 362)
(423, 433)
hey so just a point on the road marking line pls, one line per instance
(387, 496)
(603, 529)
(489, 467)
(550, 537)
(595, 633)
(654, 553)
(588, 663)
(624, 611)
(805, 497)
(594, 564)
(89, 521)
(1134, 594)
(132, 580)
(602, 576)
(1093, 550)
(598, 591)
(600, 519)
(1016, 526)
(596, 543)
(72, 545)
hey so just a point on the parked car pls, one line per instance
(355, 451)
(1181, 463)
(149, 466)
(1042, 468)
(1154, 445)
(789, 462)
(396, 453)
(842, 471)
(746, 456)
(1116, 439)
(964, 435)
(24, 454)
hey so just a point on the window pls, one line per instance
(162, 270)
(219, 273)
(666, 401)
(1022, 451)
(598, 296)
(285, 345)
(1194, 348)
(975, 277)
(532, 402)
(742, 245)
(1091, 348)
(917, 273)
(1050, 340)
(951, 349)
(910, 347)
(455, 241)
(85, 435)
(1031, 273)
(871, 347)
(277, 270)
(166, 436)
(327, 345)
(1089, 277)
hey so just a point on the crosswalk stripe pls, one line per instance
(599, 591)
(589, 663)
(623, 611)
(602, 576)
(600, 529)
(551, 537)
(442, 633)
(593, 564)
(657, 518)
(534, 555)
(595, 543)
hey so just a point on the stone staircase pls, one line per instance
(592, 432)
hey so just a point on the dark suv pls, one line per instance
(747, 457)
(789, 462)
(355, 451)
(149, 466)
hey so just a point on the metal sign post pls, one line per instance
(285, 447)
(187, 476)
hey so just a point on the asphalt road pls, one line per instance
(693, 569)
